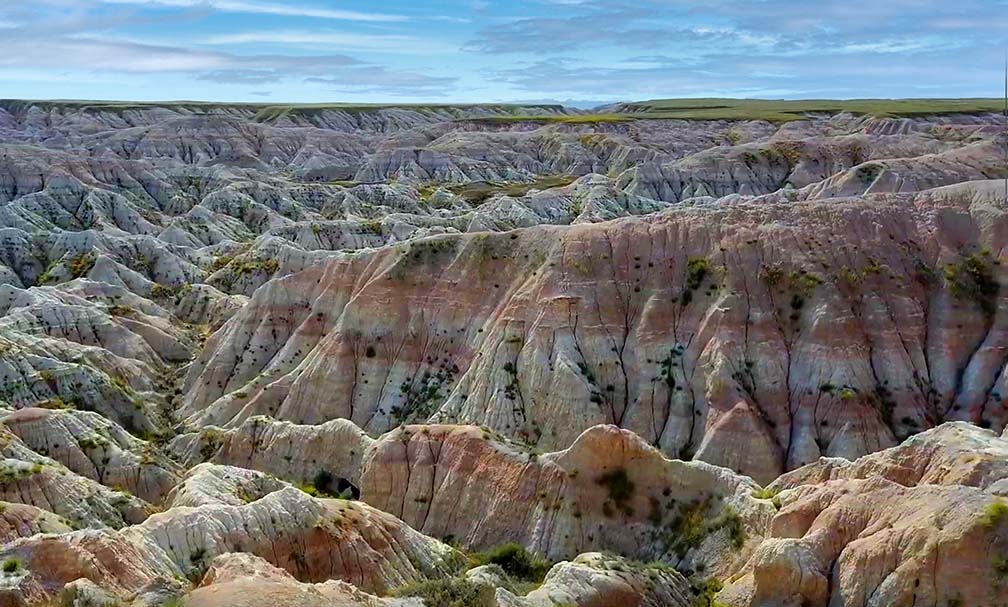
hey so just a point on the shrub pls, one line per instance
(731, 521)
(994, 514)
(705, 593)
(12, 565)
(516, 561)
(450, 592)
(621, 488)
(973, 278)
(697, 269)
(160, 291)
(769, 494)
(81, 265)
(373, 226)
(323, 482)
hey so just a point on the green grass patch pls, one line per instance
(769, 494)
(478, 192)
(772, 110)
(779, 111)
(555, 119)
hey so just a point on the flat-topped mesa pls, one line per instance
(694, 328)
(73, 117)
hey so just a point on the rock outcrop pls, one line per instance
(595, 579)
(341, 355)
(314, 540)
(693, 328)
(609, 491)
(875, 542)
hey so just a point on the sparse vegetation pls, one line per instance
(780, 111)
(620, 488)
(12, 565)
(769, 494)
(994, 514)
(81, 264)
(449, 592)
(705, 592)
(515, 560)
(973, 278)
(478, 192)
(253, 266)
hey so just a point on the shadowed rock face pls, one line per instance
(598, 340)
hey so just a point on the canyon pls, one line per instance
(497, 355)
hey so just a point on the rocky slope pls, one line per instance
(345, 355)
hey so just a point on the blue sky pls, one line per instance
(585, 51)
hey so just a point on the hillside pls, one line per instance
(670, 352)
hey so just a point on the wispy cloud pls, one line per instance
(269, 8)
(315, 39)
(580, 49)
(110, 55)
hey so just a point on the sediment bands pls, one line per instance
(505, 356)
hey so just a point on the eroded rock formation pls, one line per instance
(341, 356)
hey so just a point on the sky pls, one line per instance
(582, 52)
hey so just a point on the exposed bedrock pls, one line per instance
(313, 540)
(755, 336)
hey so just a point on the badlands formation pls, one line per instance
(501, 356)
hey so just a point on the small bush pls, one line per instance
(160, 291)
(995, 513)
(12, 565)
(323, 482)
(769, 494)
(765, 494)
(697, 269)
(516, 561)
(621, 488)
(81, 265)
(705, 593)
(451, 592)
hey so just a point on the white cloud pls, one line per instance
(269, 8)
(337, 40)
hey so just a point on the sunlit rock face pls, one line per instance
(754, 335)
(258, 357)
